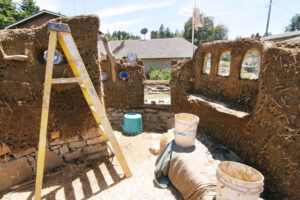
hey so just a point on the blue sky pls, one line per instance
(242, 17)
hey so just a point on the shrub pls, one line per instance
(157, 74)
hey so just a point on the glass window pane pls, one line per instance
(224, 64)
(250, 65)
(207, 63)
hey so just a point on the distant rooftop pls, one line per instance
(152, 49)
(282, 36)
(295, 39)
(33, 16)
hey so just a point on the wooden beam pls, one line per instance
(16, 57)
(111, 57)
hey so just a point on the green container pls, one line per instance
(132, 124)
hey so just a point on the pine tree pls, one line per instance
(29, 7)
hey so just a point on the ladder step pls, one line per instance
(65, 80)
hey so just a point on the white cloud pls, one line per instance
(186, 10)
(52, 5)
(121, 25)
(120, 10)
(174, 24)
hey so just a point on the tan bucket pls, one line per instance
(238, 181)
(185, 129)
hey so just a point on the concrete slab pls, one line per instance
(14, 172)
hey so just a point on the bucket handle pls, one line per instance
(251, 193)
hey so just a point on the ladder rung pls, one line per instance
(65, 80)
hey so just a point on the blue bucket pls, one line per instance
(132, 124)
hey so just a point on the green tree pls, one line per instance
(154, 35)
(168, 33)
(29, 7)
(207, 33)
(122, 35)
(162, 31)
(8, 13)
(257, 35)
(294, 24)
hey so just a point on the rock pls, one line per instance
(56, 142)
(155, 118)
(75, 145)
(72, 156)
(24, 152)
(5, 159)
(170, 123)
(165, 118)
(151, 110)
(98, 155)
(72, 139)
(55, 135)
(14, 172)
(163, 113)
(112, 118)
(90, 133)
(64, 149)
(55, 147)
(4, 149)
(52, 161)
(94, 148)
(138, 110)
(109, 109)
(56, 151)
(96, 140)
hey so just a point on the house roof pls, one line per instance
(152, 49)
(33, 16)
(295, 39)
(282, 35)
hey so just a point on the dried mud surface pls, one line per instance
(267, 138)
(106, 180)
(124, 94)
(21, 84)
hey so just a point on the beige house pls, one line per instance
(35, 20)
(155, 53)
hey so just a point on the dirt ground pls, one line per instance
(105, 180)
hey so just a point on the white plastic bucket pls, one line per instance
(238, 181)
(185, 129)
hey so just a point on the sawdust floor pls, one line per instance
(105, 180)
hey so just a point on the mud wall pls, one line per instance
(266, 137)
(21, 84)
(233, 91)
(124, 93)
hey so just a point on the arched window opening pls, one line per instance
(224, 64)
(250, 65)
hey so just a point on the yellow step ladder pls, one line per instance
(62, 32)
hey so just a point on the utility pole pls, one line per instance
(269, 14)
(193, 27)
